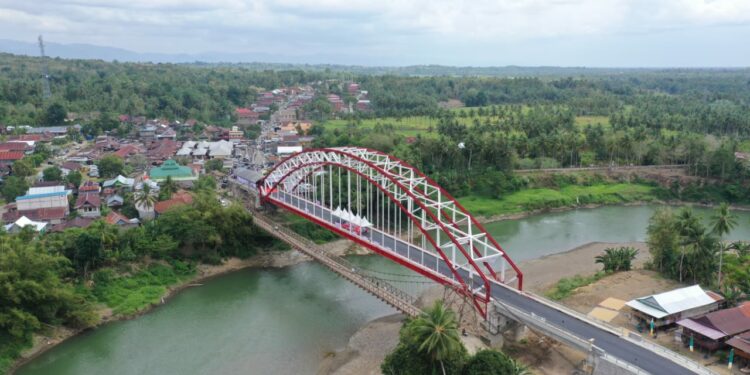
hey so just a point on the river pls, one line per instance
(284, 321)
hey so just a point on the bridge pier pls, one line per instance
(501, 326)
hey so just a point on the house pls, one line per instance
(179, 198)
(669, 307)
(23, 222)
(741, 345)
(49, 215)
(116, 218)
(363, 105)
(79, 222)
(161, 150)
(336, 102)
(70, 166)
(167, 133)
(88, 204)
(89, 187)
(16, 146)
(147, 133)
(10, 156)
(287, 114)
(246, 116)
(119, 182)
(247, 177)
(115, 201)
(233, 134)
(127, 151)
(711, 331)
(171, 169)
(44, 197)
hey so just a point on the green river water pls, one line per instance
(285, 321)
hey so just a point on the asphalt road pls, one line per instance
(612, 344)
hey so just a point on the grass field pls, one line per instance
(411, 126)
(534, 199)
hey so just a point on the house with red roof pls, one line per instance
(179, 198)
(52, 215)
(10, 156)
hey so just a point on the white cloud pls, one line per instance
(350, 26)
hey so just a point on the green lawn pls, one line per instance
(127, 295)
(533, 199)
(411, 126)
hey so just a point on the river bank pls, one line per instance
(204, 272)
(369, 346)
(525, 214)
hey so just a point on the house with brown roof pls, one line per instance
(52, 215)
(79, 222)
(88, 204)
(741, 346)
(711, 331)
(162, 150)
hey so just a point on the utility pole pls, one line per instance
(45, 71)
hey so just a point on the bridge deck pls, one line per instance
(651, 360)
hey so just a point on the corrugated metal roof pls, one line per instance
(704, 330)
(740, 342)
(674, 301)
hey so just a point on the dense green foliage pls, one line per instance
(617, 259)
(683, 248)
(153, 90)
(430, 344)
(59, 278)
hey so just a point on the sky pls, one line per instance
(595, 33)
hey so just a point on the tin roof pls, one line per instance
(674, 301)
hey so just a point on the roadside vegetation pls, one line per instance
(686, 248)
(431, 344)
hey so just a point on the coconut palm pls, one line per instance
(436, 333)
(168, 187)
(145, 198)
(690, 229)
(724, 221)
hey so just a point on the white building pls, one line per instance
(44, 197)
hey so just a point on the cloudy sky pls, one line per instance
(622, 33)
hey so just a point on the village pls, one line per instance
(115, 168)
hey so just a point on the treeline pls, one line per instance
(475, 151)
(686, 248)
(155, 90)
(698, 95)
(61, 278)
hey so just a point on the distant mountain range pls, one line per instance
(273, 62)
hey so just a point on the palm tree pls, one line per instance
(617, 259)
(436, 333)
(724, 221)
(168, 187)
(145, 198)
(690, 229)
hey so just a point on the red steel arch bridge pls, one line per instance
(393, 209)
